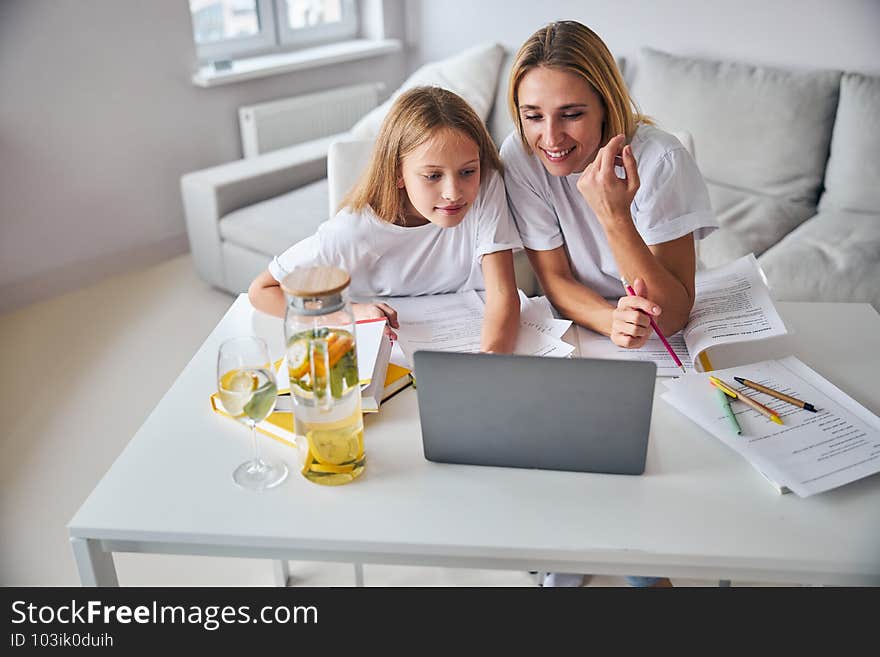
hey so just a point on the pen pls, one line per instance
(748, 401)
(728, 411)
(779, 395)
(656, 328)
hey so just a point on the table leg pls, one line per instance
(281, 572)
(95, 566)
(724, 583)
(359, 574)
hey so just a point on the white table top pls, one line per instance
(699, 510)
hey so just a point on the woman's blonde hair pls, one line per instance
(571, 46)
(416, 116)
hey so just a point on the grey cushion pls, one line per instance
(762, 138)
(831, 257)
(499, 122)
(271, 226)
(852, 181)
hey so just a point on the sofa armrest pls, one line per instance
(210, 194)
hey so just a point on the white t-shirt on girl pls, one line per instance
(384, 259)
(549, 211)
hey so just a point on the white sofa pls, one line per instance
(790, 159)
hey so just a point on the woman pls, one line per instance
(583, 226)
(597, 194)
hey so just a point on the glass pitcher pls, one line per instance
(319, 331)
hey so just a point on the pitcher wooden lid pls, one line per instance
(315, 281)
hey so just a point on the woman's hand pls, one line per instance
(377, 311)
(610, 197)
(630, 321)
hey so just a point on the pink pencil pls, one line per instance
(656, 328)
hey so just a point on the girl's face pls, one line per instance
(440, 179)
(562, 119)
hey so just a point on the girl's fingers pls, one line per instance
(390, 313)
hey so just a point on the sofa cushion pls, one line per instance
(852, 181)
(271, 226)
(471, 74)
(831, 257)
(499, 122)
(762, 137)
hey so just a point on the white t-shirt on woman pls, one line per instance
(549, 211)
(384, 259)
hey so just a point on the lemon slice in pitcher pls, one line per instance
(298, 359)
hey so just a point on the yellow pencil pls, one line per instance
(745, 399)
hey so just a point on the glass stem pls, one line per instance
(257, 458)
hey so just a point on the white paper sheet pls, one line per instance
(811, 452)
(732, 304)
(594, 345)
(453, 322)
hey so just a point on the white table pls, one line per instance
(699, 510)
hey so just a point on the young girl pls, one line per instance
(429, 216)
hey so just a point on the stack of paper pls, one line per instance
(453, 322)
(811, 452)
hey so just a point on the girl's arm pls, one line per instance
(265, 294)
(501, 321)
(666, 270)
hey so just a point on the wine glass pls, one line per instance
(247, 388)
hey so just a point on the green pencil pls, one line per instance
(728, 411)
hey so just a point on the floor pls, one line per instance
(81, 373)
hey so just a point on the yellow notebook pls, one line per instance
(279, 424)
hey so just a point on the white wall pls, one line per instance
(98, 120)
(802, 34)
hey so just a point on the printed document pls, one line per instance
(811, 452)
(732, 305)
(453, 322)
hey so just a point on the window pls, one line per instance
(229, 29)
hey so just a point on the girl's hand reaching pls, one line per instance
(630, 321)
(377, 311)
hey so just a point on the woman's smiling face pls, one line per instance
(562, 118)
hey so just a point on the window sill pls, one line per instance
(260, 67)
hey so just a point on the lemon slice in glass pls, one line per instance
(236, 387)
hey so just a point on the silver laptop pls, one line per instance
(583, 415)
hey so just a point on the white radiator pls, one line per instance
(269, 126)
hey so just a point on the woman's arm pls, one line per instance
(627, 324)
(571, 298)
(265, 294)
(501, 321)
(668, 269)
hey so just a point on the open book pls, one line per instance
(811, 452)
(732, 305)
